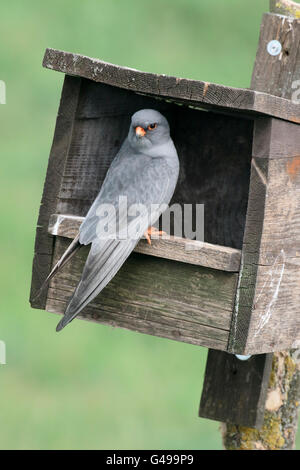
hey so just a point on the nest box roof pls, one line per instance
(196, 93)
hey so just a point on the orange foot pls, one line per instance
(152, 231)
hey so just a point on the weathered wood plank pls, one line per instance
(276, 74)
(191, 91)
(276, 139)
(169, 330)
(283, 382)
(59, 150)
(234, 391)
(244, 385)
(64, 225)
(169, 247)
(155, 296)
(268, 299)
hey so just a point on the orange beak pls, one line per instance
(140, 131)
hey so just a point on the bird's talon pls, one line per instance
(152, 231)
(146, 235)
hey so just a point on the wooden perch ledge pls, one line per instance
(174, 248)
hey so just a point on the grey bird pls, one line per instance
(145, 171)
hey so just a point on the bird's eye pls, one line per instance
(152, 126)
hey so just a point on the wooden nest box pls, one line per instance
(239, 152)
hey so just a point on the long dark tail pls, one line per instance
(103, 262)
(70, 251)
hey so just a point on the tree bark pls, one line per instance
(285, 7)
(281, 415)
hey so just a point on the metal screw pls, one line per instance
(242, 358)
(274, 47)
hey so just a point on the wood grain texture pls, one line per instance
(276, 139)
(276, 74)
(214, 172)
(154, 296)
(195, 92)
(234, 391)
(61, 142)
(267, 309)
(282, 391)
(168, 247)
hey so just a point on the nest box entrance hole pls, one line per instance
(214, 152)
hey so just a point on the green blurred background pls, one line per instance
(93, 386)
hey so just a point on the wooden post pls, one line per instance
(235, 391)
(285, 7)
(283, 395)
(281, 412)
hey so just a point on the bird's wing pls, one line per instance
(148, 182)
(136, 178)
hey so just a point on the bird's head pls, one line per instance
(148, 128)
